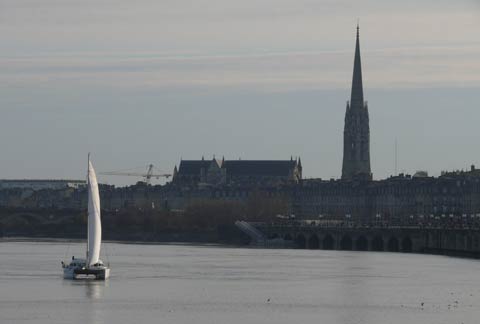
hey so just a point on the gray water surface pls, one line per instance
(208, 284)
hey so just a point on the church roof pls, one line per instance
(192, 167)
(259, 167)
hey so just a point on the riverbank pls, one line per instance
(221, 235)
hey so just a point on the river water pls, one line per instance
(210, 284)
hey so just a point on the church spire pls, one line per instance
(356, 134)
(356, 100)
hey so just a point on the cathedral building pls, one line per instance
(238, 172)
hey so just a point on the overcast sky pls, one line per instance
(151, 81)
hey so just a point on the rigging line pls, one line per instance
(68, 250)
(69, 243)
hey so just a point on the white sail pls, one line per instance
(94, 224)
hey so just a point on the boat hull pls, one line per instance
(102, 273)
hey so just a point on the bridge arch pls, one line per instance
(469, 243)
(393, 245)
(273, 236)
(476, 241)
(377, 243)
(407, 245)
(301, 241)
(313, 242)
(460, 242)
(451, 241)
(328, 242)
(433, 240)
(361, 243)
(346, 243)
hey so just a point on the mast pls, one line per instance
(396, 158)
(88, 197)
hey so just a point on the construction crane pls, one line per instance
(146, 176)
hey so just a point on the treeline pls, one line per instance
(202, 214)
(200, 217)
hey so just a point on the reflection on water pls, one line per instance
(95, 288)
(90, 294)
(198, 284)
(94, 291)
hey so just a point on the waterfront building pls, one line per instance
(401, 198)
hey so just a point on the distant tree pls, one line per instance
(207, 214)
(261, 207)
(81, 218)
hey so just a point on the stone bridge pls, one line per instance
(464, 241)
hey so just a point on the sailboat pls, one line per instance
(91, 265)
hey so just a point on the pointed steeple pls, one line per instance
(356, 100)
(356, 134)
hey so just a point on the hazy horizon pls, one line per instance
(156, 81)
